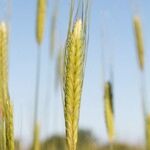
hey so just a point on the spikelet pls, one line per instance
(36, 140)
(41, 13)
(74, 64)
(109, 113)
(147, 124)
(139, 41)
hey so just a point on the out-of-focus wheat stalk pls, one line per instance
(59, 69)
(3, 60)
(36, 139)
(141, 59)
(147, 127)
(73, 82)
(109, 113)
(40, 26)
(53, 28)
(41, 14)
(139, 40)
(3, 79)
(7, 110)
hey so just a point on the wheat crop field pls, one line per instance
(74, 75)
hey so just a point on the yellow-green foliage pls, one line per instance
(139, 41)
(147, 124)
(109, 114)
(36, 140)
(41, 14)
(74, 64)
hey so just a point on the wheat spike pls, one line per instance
(3, 60)
(3, 78)
(147, 124)
(139, 40)
(73, 83)
(7, 110)
(36, 140)
(41, 13)
(109, 113)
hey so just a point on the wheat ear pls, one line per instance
(41, 13)
(8, 136)
(109, 113)
(139, 40)
(74, 59)
(3, 43)
(3, 60)
(3, 77)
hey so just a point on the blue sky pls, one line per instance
(115, 17)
